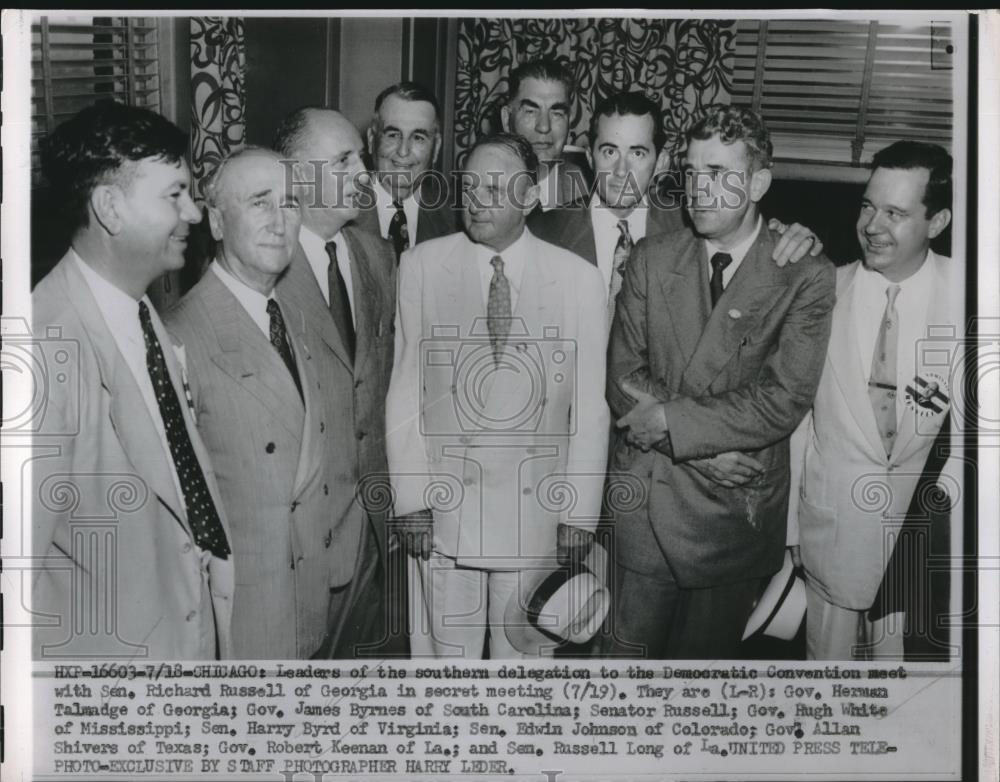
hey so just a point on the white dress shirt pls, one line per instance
(385, 211)
(514, 258)
(912, 304)
(253, 302)
(606, 233)
(314, 247)
(737, 253)
(121, 313)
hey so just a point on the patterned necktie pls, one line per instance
(882, 384)
(498, 309)
(201, 512)
(622, 250)
(279, 338)
(399, 233)
(719, 262)
(340, 302)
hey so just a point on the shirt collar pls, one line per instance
(636, 219)
(514, 258)
(384, 200)
(920, 279)
(120, 310)
(254, 302)
(737, 252)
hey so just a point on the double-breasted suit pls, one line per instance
(118, 565)
(267, 445)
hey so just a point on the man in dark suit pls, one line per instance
(343, 280)
(629, 158)
(260, 408)
(715, 350)
(538, 108)
(133, 549)
(408, 202)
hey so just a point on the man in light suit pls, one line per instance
(628, 157)
(715, 351)
(343, 280)
(538, 108)
(408, 202)
(495, 408)
(155, 580)
(259, 405)
(881, 404)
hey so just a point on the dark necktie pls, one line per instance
(719, 262)
(340, 302)
(498, 309)
(201, 512)
(622, 250)
(279, 338)
(399, 232)
(882, 383)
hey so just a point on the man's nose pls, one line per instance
(620, 167)
(403, 148)
(190, 213)
(874, 223)
(542, 124)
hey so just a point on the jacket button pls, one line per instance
(295, 504)
(326, 489)
(322, 427)
(269, 447)
(328, 538)
(186, 547)
(361, 435)
(191, 615)
(357, 383)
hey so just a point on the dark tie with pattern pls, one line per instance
(882, 383)
(498, 309)
(622, 250)
(399, 232)
(719, 262)
(201, 512)
(279, 338)
(340, 302)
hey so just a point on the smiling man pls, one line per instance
(259, 405)
(881, 405)
(714, 359)
(496, 392)
(157, 580)
(404, 140)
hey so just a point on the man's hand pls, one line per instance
(414, 532)
(646, 421)
(796, 240)
(730, 469)
(572, 544)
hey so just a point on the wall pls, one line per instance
(371, 58)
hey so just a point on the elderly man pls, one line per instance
(715, 351)
(496, 393)
(156, 581)
(882, 402)
(259, 405)
(538, 108)
(343, 280)
(404, 141)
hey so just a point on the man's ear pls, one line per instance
(760, 182)
(505, 118)
(589, 152)
(532, 195)
(437, 148)
(370, 136)
(938, 223)
(105, 204)
(662, 161)
(215, 222)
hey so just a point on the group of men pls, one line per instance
(365, 430)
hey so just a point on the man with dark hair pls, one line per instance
(157, 581)
(883, 402)
(407, 203)
(627, 154)
(343, 280)
(538, 108)
(496, 405)
(714, 359)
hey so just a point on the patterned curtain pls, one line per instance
(687, 63)
(218, 77)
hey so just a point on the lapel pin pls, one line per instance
(735, 314)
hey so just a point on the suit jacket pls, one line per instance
(354, 392)
(572, 184)
(436, 216)
(737, 377)
(270, 462)
(572, 228)
(104, 484)
(501, 457)
(853, 497)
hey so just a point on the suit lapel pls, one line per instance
(578, 234)
(682, 285)
(367, 301)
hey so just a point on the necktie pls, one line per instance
(498, 309)
(719, 262)
(622, 250)
(340, 302)
(201, 512)
(399, 233)
(279, 338)
(882, 384)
